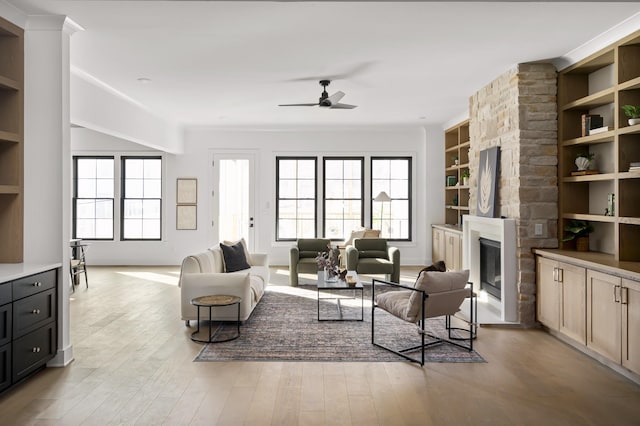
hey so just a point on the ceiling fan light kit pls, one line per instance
(325, 100)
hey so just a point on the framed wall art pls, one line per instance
(186, 217)
(488, 182)
(187, 191)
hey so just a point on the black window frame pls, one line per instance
(123, 195)
(75, 197)
(324, 192)
(409, 193)
(315, 195)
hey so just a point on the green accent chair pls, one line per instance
(374, 256)
(302, 257)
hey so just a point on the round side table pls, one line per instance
(211, 302)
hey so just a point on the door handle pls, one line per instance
(615, 294)
(624, 295)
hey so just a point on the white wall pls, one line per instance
(202, 143)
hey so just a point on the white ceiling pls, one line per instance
(231, 63)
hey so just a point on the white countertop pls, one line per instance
(12, 271)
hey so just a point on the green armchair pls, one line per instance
(302, 257)
(373, 256)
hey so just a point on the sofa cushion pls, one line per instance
(435, 282)
(205, 262)
(371, 254)
(307, 254)
(234, 257)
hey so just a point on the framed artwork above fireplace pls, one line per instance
(488, 182)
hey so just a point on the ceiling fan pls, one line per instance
(325, 100)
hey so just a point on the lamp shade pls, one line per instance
(382, 196)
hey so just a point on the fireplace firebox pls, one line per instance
(490, 278)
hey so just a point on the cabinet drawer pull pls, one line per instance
(560, 275)
(35, 311)
(35, 350)
(616, 298)
(37, 284)
(624, 294)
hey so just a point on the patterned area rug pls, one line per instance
(285, 327)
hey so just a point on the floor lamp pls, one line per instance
(382, 197)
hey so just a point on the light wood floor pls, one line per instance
(134, 365)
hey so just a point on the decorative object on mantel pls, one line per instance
(633, 112)
(583, 162)
(578, 230)
(488, 182)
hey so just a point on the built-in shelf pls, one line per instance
(11, 142)
(457, 144)
(600, 85)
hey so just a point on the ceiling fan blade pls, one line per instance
(315, 104)
(343, 106)
(333, 99)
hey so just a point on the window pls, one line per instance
(343, 202)
(295, 198)
(393, 176)
(141, 198)
(93, 186)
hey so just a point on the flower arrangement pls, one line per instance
(328, 260)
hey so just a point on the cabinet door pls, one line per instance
(548, 293)
(438, 251)
(453, 251)
(603, 315)
(631, 325)
(573, 292)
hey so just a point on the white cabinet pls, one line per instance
(447, 246)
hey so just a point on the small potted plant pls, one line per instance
(633, 112)
(579, 231)
(583, 160)
(465, 177)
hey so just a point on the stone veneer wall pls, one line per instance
(518, 112)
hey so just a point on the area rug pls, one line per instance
(285, 327)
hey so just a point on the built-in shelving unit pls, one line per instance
(601, 84)
(11, 142)
(457, 143)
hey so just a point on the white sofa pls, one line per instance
(203, 274)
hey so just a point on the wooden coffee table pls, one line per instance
(211, 302)
(325, 287)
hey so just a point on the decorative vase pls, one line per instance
(583, 163)
(465, 181)
(582, 243)
(330, 275)
(634, 121)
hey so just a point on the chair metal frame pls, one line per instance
(78, 254)
(473, 324)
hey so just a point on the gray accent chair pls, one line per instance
(374, 256)
(302, 257)
(435, 294)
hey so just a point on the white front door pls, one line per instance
(233, 197)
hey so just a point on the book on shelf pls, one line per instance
(598, 130)
(635, 164)
(591, 121)
(634, 169)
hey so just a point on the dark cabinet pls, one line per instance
(28, 325)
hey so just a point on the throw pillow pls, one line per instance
(244, 246)
(234, 257)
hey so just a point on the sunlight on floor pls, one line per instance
(153, 276)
